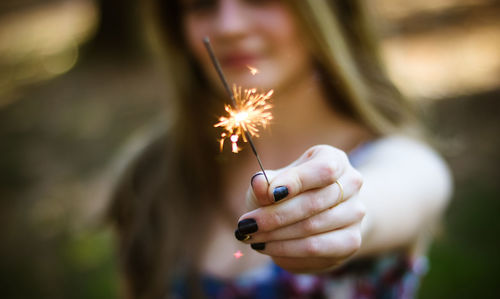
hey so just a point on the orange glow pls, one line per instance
(252, 111)
(253, 70)
(238, 254)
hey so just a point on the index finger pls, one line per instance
(320, 166)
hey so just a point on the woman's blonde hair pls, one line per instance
(345, 46)
(177, 179)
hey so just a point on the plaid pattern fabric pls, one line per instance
(390, 276)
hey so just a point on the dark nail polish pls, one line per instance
(241, 237)
(247, 226)
(258, 246)
(254, 176)
(280, 193)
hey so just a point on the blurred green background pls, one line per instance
(79, 91)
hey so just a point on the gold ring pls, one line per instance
(341, 191)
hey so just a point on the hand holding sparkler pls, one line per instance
(308, 189)
(309, 218)
(248, 111)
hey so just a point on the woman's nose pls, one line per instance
(231, 18)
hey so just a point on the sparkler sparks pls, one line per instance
(253, 70)
(252, 111)
(237, 254)
(241, 125)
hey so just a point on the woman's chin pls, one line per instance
(261, 80)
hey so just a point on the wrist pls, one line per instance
(366, 234)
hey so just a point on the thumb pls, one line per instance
(257, 191)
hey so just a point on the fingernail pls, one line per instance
(258, 246)
(280, 193)
(247, 226)
(254, 176)
(241, 237)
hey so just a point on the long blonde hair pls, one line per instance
(177, 178)
(346, 47)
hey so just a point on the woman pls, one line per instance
(176, 207)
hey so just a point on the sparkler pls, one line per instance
(252, 111)
(249, 110)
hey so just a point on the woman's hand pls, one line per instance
(304, 219)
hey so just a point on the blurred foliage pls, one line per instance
(40, 42)
(464, 260)
(79, 265)
(464, 257)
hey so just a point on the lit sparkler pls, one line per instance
(249, 110)
(253, 110)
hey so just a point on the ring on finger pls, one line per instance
(341, 188)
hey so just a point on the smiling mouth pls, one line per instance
(238, 61)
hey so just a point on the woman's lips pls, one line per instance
(238, 60)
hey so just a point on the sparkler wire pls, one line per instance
(217, 66)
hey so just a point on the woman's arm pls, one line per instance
(309, 218)
(406, 188)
